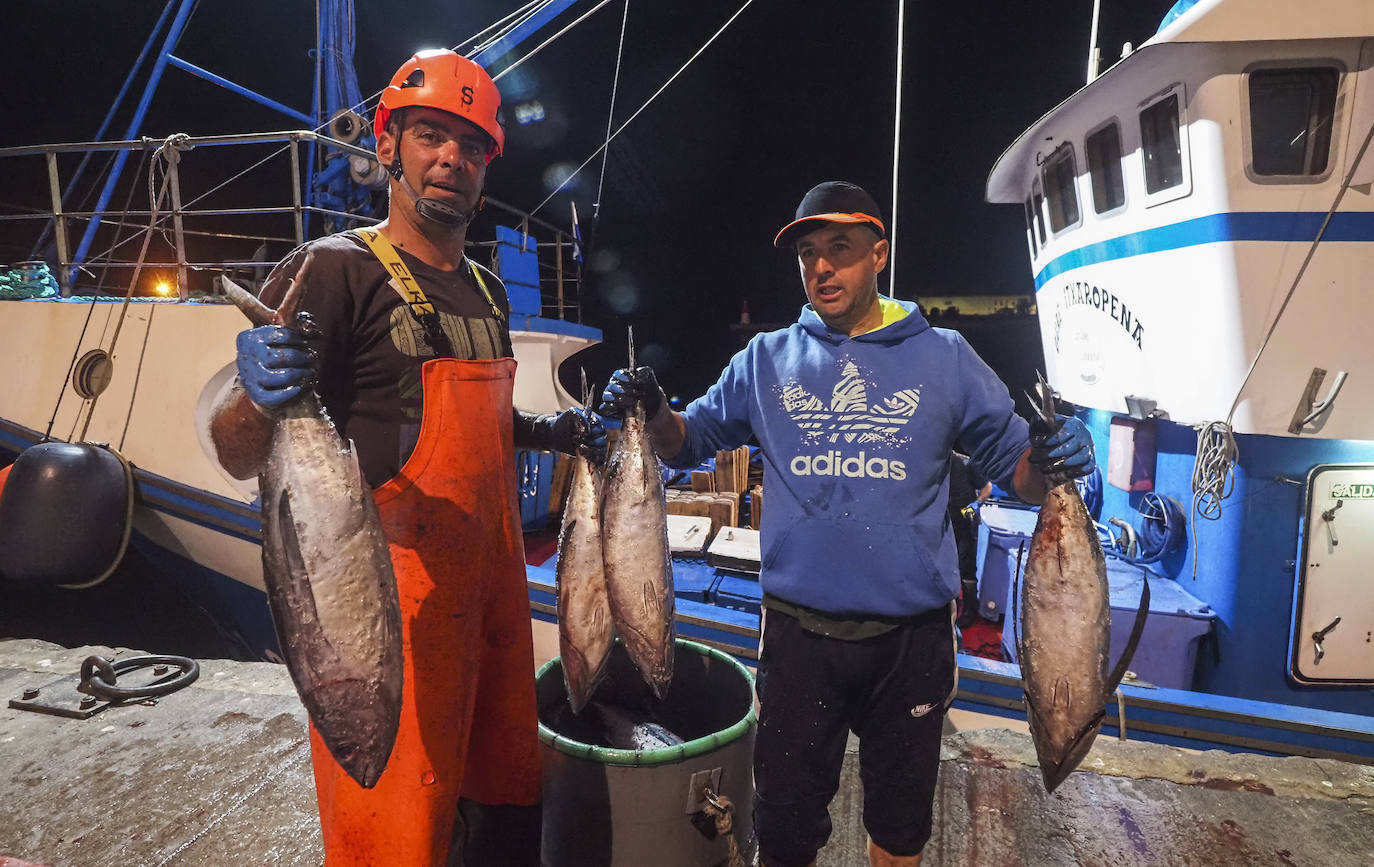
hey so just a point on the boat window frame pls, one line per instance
(1063, 152)
(1038, 205)
(1339, 112)
(1112, 121)
(1028, 210)
(1184, 187)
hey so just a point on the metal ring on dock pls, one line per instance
(99, 676)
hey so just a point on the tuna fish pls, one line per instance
(634, 542)
(330, 585)
(1065, 628)
(585, 633)
(626, 731)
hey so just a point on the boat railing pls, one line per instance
(184, 242)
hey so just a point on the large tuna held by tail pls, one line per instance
(330, 584)
(1065, 634)
(1065, 627)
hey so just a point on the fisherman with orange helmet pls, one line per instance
(413, 363)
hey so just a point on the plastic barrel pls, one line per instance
(609, 806)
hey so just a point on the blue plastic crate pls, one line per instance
(1002, 531)
(692, 579)
(740, 594)
(1167, 653)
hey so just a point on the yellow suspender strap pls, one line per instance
(406, 284)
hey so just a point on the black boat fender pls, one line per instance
(66, 510)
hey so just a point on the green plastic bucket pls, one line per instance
(607, 806)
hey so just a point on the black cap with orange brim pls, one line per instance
(831, 202)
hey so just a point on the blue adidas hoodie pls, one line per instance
(856, 436)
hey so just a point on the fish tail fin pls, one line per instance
(258, 313)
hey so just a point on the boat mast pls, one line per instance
(896, 156)
(1094, 55)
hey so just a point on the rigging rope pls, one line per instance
(610, 116)
(516, 65)
(640, 110)
(90, 310)
(503, 26)
(170, 152)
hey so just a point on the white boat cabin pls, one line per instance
(1172, 204)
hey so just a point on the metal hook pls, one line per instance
(1309, 409)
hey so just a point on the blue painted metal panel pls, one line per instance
(735, 632)
(1187, 719)
(554, 326)
(1245, 560)
(523, 299)
(534, 476)
(517, 257)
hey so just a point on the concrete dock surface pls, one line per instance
(219, 773)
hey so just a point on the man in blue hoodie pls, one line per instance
(857, 407)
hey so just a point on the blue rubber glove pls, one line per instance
(628, 387)
(1063, 449)
(275, 365)
(580, 432)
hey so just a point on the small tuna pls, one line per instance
(626, 731)
(585, 633)
(330, 585)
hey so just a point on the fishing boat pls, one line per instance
(1200, 233)
(97, 359)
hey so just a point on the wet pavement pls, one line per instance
(1130, 803)
(218, 773)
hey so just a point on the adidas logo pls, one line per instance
(834, 463)
(849, 417)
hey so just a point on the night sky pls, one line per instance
(791, 94)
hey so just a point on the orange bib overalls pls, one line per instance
(468, 715)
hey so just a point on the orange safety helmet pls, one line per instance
(443, 79)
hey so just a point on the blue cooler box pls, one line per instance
(1002, 530)
(1167, 653)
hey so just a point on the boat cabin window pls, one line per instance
(1291, 113)
(1038, 204)
(1160, 146)
(1030, 225)
(1103, 151)
(1061, 194)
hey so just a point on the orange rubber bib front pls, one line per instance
(468, 716)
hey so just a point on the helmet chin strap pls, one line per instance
(434, 209)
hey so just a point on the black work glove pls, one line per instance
(572, 432)
(628, 387)
(579, 432)
(1064, 448)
